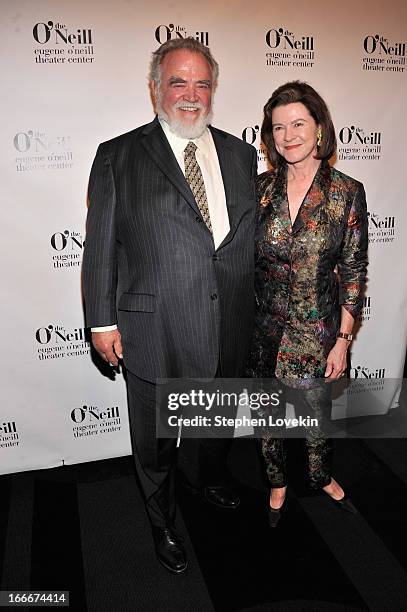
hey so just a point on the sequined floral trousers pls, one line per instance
(315, 404)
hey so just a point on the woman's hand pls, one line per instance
(336, 362)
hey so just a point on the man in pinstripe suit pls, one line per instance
(168, 265)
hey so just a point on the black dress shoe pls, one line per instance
(345, 504)
(170, 552)
(221, 497)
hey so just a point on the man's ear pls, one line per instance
(152, 85)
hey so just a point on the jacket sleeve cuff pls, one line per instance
(354, 309)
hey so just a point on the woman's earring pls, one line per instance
(319, 137)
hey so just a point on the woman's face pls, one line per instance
(294, 132)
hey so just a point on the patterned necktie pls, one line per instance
(194, 177)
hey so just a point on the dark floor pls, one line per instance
(83, 529)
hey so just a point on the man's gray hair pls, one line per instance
(191, 44)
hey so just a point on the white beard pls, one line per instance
(184, 129)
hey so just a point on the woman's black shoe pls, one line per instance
(274, 516)
(345, 504)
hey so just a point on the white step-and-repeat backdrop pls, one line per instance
(74, 73)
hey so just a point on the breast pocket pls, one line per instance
(137, 302)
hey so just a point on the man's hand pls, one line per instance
(109, 345)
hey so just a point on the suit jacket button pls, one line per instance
(214, 296)
(215, 257)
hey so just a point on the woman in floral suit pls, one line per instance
(311, 258)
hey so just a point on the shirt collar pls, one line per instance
(178, 144)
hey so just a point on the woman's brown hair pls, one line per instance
(298, 91)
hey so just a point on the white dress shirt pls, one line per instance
(207, 158)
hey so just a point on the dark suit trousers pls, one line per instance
(155, 458)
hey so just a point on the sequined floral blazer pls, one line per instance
(306, 271)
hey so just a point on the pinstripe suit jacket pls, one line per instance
(150, 264)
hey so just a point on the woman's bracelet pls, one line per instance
(348, 337)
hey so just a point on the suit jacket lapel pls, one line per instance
(276, 199)
(157, 146)
(317, 195)
(230, 169)
(226, 167)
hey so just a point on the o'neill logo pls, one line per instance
(382, 229)
(93, 420)
(383, 55)
(8, 434)
(357, 143)
(67, 249)
(251, 135)
(363, 372)
(57, 342)
(171, 31)
(289, 49)
(366, 380)
(41, 151)
(61, 44)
